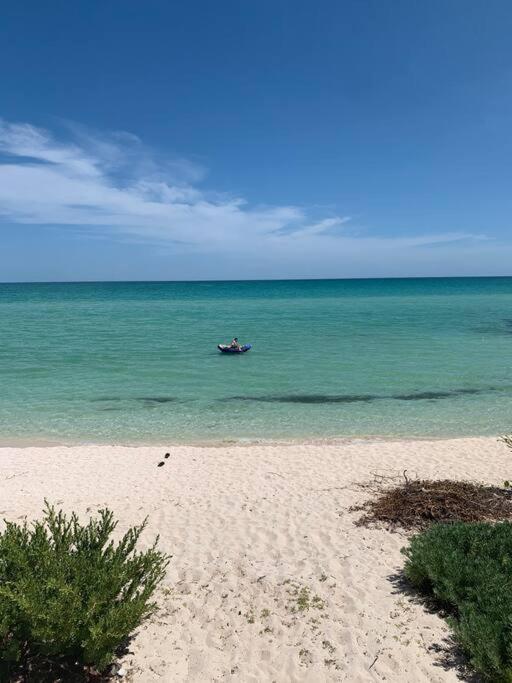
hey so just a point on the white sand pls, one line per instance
(249, 527)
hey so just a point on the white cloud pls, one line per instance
(43, 181)
(114, 184)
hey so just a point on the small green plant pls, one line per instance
(467, 569)
(68, 592)
(303, 599)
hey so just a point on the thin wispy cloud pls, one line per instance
(114, 184)
(88, 182)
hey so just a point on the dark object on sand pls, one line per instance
(161, 464)
(417, 503)
(229, 349)
(167, 455)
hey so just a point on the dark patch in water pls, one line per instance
(144, 399)
(424, 396)
(434, 395)
(309, 398)
(157, 399)
(489, 329)
(312, 399)
(497, 328)
(319, 399)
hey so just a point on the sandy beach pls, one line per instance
(270, 580)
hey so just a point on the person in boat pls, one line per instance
(234, 344)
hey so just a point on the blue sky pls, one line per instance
(196, 140)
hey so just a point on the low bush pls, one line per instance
(68, 592)
(467, 568)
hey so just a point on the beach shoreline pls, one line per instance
(230, 442)
(250, 528)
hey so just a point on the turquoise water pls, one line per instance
(131, 362)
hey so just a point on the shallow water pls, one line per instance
(129, 362)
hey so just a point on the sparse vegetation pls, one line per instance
(317, 602)
(328, 646)
(303, 599)
(507, 440)
(305, 657)
(417, 503)
(461, 560)
(69, 594)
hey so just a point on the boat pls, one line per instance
(228, 349)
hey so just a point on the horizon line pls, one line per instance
(289, 279)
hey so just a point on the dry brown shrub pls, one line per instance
(418, 503)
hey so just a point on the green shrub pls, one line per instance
(68, 591)
(468, 569)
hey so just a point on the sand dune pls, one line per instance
(270, 580)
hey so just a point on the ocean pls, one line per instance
(137, 362)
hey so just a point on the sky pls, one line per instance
(195, 140)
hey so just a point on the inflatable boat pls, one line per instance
(228, 349)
